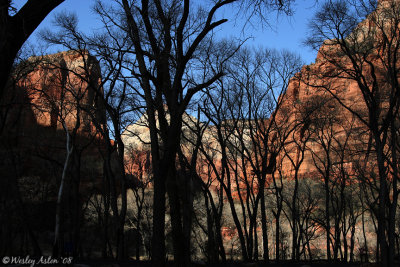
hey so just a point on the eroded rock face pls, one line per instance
(318, 100)
(318, 129)
(62, 87)
(136, 138)
(311, 115)
(45, 94)
(45, 97)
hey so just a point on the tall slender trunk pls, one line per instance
(212, 254)
(393, 205)
(176, 221)
(337, 244)
(264, 227)
(383, 245)
(352, 243)
(228, 191)
(277, 236)
(364, 233)
(123, 209)
(255, 243)
(327, 218)
(106, 212)
(345, 246)
(158, 244)
(139, 203)
(217, 221)
(294, 217)
(277, 215)
(159, 169)
(117, 216)
(56, 245)
(187, 216)
(238, 227)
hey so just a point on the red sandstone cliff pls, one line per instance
(59, 86)
(311, 114)
(311, 104)
(45, 93)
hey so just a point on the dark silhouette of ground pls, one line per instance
(227, 264)
(133, 263)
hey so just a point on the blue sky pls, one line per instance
(284, 33)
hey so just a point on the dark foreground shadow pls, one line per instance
(132, 263)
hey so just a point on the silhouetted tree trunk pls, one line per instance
(170, 97)
(300, 146)
(370, 60)
(277, 213)
(16, 28)
(56, 245)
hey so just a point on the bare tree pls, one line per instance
(115, 108)
(242, 110)
(165, 57)
(295, 151)
(264, 77)
(138, 166)
(369, 59)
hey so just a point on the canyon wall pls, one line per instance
(45, 95)
(325, 106)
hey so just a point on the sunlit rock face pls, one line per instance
(314, 103)
(315, 126)
(136, 138)
(317, 129)
(60, 89)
